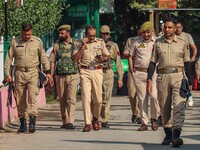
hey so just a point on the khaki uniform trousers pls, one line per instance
(140, 80)
(26, 83)
(66, 89)
(169, 94)
(108, 81)
(91, 93)
(132, 95)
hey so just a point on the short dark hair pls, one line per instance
(170, 20)
(90, 27)
(179, 22)
(26, 26)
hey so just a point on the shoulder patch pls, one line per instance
(180, 38)
(36, 38)
(187, 46)
(99, 39)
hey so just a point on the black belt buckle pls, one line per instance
(26, 69)
(176, 70)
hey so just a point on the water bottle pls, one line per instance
(190, 99)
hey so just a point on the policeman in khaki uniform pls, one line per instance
(188, 38)
(173, 62)
(108, 74)
(91, 55)
(130, 84)
(197, 70)
(139, 58)
(26, 51)
(67, 75)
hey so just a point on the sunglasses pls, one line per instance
(91, 35)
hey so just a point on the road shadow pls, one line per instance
(146, 146)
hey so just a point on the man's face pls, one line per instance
(105, 36)
(91, 34)
(147, 35)
(169, 29)
(179, 28)
(63, 35)
(26, 35)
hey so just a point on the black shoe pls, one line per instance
(63, 126)
(177, 141)
(22, 127)
(32, 121)
(105, 125)
(139, 121)
(167, 141)
(168, 138)
(70, 126)
(160, 121)
(134, 118)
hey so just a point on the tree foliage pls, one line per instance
(44, 15)
(140, 4)
(131, 14)
(191, 17)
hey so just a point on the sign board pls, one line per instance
(167, 4)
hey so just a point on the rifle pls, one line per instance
(10, 87)
(42, 76)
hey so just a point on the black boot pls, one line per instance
(32, 121)
(177, 141)
(22, 127)
(168, 138)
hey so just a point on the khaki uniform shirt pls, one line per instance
(98, 47)
(115, 55)
(141, 52)
(197, 67)
(56, 48)
(169, 55)
(26, 54)
(129, 42)
(187, 37)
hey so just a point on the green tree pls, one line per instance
(190, 18)
(131, 14)
(44, 15)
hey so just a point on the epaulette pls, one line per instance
(35, 38)
(16, 39)
(160, 38)
(57, 42)
(181, 38)
(135, 38)
(115, 44)
(99, 39)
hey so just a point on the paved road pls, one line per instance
(122, 135)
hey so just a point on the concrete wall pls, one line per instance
(10, 114)
(1, 59)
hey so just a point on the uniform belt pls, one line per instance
(141, 69)
(91, 67)
(169, 70)
(107, 68)
(25, 69)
